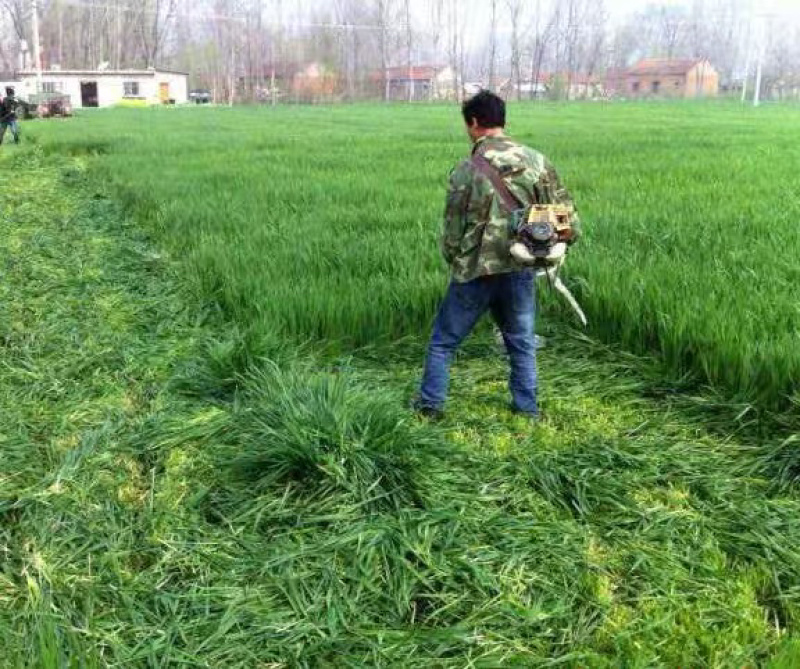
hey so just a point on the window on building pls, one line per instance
(656, 86)
(131, 89)
(635, 86)
(51, 87)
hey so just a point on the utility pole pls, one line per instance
(747, 69)
(409, 44)
(492, 46)
(272, 70)
(757, 92)
(277, 36)
(118, 53)
(762, 46)
(60, 14)
(37, 48)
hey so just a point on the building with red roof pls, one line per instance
(669, 78)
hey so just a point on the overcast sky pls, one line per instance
(476, 14)
(479, 12)
(621, 7)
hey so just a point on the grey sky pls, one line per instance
(628, 6)
(479, 12)
(476, 13)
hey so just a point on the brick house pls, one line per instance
(616, 81)
(664, 78)
(421, 82)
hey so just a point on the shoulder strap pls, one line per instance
(509, 200)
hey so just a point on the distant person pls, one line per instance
(476, 245)
(8, 116)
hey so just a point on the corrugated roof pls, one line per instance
(101, 73)
(415, 73)
(663, 66)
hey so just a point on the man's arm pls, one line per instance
(458, 193)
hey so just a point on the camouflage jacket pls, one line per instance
(477, 232)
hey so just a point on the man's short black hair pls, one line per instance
(9, 90)
(487, 109)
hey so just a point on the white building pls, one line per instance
(419, 82)
(105, 88)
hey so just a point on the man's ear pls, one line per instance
(473, 123)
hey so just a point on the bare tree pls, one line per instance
(572, 35)
(19, 11)
(543, 35)
(455, 47)
(436, 25)
(240, 47)
(409, 50)
(672, 23)
(594, 52)
(155, 22)
(492, 44)
(384, 8)
(515, 8)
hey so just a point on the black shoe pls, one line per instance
(429, 413)
(533, 416)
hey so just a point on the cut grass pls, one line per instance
(301, 517)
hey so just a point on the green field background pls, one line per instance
(321, 223)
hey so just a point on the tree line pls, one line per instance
(246, 49)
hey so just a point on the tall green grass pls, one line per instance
(321, 223)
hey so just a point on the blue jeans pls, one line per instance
(13, 126)
(509, 298)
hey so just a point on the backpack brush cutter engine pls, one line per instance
(541, 241)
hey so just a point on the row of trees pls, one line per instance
(242, 47)
(83, 34)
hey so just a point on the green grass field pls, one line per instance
(211, 322)
(691, 215)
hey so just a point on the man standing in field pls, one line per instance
(475, 243)
(8, 116)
